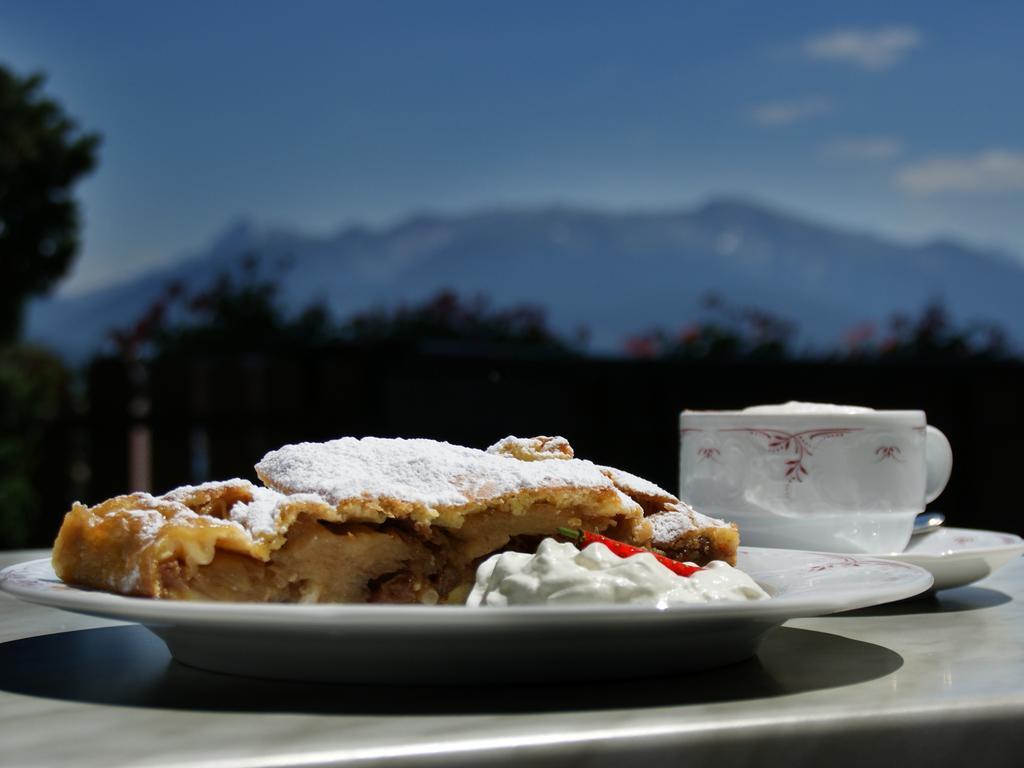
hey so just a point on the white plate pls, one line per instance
(455, 644)
(959, 556)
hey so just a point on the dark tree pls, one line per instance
(42, 155)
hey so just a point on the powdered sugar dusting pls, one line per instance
(257, 510)
(213, 488)
(151, 513)
(416, 471)
(679, 519)
(149, 521)
(635, 486)
(262, 515)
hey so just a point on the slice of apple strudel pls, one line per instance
(370, 520)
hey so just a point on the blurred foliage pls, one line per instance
(33, 390)
(242, 314)
(42, 156)
(446, 317)
(722, 333)
(239, 314)
(931, 337)
(741, 334)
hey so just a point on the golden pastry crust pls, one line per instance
(537, 448)
(138, 544)
(345, 521)
(368, 520)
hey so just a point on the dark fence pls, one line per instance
(215, 418)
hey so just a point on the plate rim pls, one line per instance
(148, 611)
(1017, 545)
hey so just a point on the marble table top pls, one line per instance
(934, 681)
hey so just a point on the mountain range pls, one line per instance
(616, 274)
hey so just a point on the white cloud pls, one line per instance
(864, 148)
(870, 49)
(788, 112)
(991, 170)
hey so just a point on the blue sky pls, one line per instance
(901, 118)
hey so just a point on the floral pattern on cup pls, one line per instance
(886, 452)
(799, 443)
(828, 481)
(708, 453)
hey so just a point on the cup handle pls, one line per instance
(939, 458)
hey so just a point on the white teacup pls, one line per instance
(814, 476)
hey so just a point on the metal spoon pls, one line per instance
(927, 522)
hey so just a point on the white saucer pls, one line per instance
(455, 644)
(959, 556)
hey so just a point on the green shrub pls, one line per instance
(33, 389)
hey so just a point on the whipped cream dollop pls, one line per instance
(559, 573)
(794, 406)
